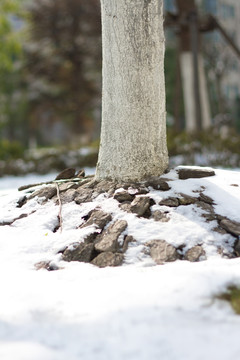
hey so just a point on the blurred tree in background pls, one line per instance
(63, 65)
(10, 44)
(174, 96)
(12, 97)
(50, 70)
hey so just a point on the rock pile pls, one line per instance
(102, 247)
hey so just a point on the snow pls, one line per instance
(137, 311)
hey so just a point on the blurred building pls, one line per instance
(228, 14)
(222, 64)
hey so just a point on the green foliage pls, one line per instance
(50, 69)
(232, 295)
(13, 102)
(9, 5)
(171, 73)
(10, 150)
(10, 41)
(95, 144)
(63, 61)
(211, 140)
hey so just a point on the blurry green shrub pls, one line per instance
(95, 144)
(10, 150)
(211, 140)
(232, 295)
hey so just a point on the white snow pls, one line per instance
(137, 311)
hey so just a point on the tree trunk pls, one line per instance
(188, 93)
(196, 100)
(204, 95)
(189, 99)
(133, 135)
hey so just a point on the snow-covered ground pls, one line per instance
(136, 311)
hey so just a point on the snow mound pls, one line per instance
(152, 306)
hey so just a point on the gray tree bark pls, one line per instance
(133, 135)
(186, 62)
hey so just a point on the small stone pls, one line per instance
(111, 191)
(80, 174)
(68, 196)
(108, 259)
(66, 186)
(209, 217)
(188, 173)
(186, 199)
(158, 184)
(109, 239)
(232, 227)
(10, 222)
(206, 199)
(205, 206)
(21, 201)
(99, 218)
(161, 251)
(227, 254)
(83, 195)
(127, 185)
(140, 205)
(236, 185)
(91, 238)
(237, 247)
(128, 239)
(122, 196)
(66, 174)
(160, 216)
(89, 184)
(48, 265)
(194, 254)
(219, 230)
(202, 188)
(171, 202)
(82, 252)
(6, 223)
(140, 191)
(126, 206)
(47, 192)
(133, 188)
(104, 186)
(220, 217)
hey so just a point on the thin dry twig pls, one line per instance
(76, 180)
(60, 208)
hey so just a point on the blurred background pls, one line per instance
(50, 83)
